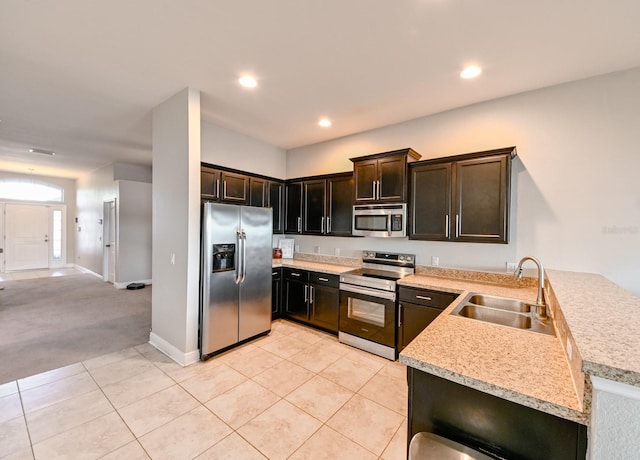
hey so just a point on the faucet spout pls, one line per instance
(541, 306)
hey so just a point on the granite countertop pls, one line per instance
(322, 267)
(604, 321)
(521, 366)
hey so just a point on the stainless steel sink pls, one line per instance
(501, 303)
(503, 311)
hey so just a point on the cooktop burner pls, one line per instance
(380, 270)
(373, 273)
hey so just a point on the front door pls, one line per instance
(27, 237)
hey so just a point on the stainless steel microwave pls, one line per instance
(380, 220)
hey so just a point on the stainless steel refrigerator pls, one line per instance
(235, 277)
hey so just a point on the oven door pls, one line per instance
(368, 313)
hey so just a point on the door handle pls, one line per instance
(311, 289)
(107, 245)
(238, 257)
(423, 297)
(322, 225)
(299, 224)
(446, 226)
(457, 225)
(328, 224)
(399, 315)
(217, 195)
(244, 256)
(306, 292)
(378, 188)
(374, 190)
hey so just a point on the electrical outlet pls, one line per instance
(435, 261)
(511, 267)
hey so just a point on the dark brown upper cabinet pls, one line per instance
(382, 178)
(275, 196)
(320, 205)
(258, 192)
(462, 198)
(224, 186)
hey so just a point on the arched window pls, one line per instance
(30, 190)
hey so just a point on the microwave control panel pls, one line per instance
(396, 222)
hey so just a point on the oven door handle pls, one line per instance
(369, 292)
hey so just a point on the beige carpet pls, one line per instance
(48, 323)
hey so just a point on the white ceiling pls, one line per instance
(81, 77)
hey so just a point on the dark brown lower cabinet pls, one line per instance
(311, 298)
(495, 426)
(276, 292)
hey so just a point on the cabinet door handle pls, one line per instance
(306, 292)
(299, 224)
(374, 189)
(328, 224)
(322, 225)
(323, 279)
(311, 289)
(399, 315)
(423, 297)
(217, 193)
(446, 226)
(457, 225)
(378, 195)
(224, 189)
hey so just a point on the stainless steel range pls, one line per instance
(368, 303)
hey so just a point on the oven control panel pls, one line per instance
(390, 258)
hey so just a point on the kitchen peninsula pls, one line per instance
(557, 376)
(596, 338)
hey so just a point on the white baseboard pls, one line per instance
(184, 359)
(86, 270)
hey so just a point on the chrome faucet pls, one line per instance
(541, 307)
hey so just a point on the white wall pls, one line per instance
(176, 226)
(133, 221)
(228, 148)
(69, 187)
(92, 190)
(575, 199)
(134, 232)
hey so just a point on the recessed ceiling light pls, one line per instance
(43, 152)
(471, 71)
(248, 81)
(325, 123)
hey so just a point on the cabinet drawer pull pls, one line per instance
(295, 274)
(423, 297)
(274, 273)
(323, 279)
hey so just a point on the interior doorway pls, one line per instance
(109, 239)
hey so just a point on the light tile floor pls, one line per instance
(296, 393)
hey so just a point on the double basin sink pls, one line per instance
(503, 311)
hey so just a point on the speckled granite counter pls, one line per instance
(524, 367)
(604, 321)
(314, 266)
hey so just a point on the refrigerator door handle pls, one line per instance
(244, 256)
(239, 258)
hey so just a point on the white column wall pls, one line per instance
(614, 433)
(176, 226)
